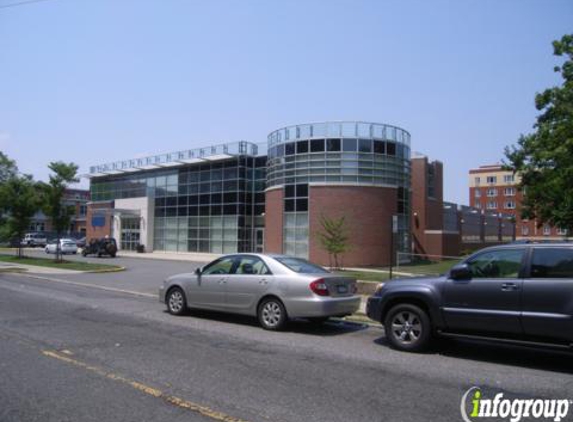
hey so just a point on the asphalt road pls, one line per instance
(78, 353)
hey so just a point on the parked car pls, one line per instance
(519, 293)
(101, 247)
(81, 243)
(274, 288)
(33, 240)
(66, 247)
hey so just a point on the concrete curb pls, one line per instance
(105, 270)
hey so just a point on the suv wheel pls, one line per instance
(272, 314)
(408, 328)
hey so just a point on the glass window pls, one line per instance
(289, 205)
(380, 147)
(333, 145)
(302, 205)
(504, 263)
(391, 148)
(317, 145)
(221, 266)
(364, 145)
(302, 147)
(302, 190)
(349, 145)
(289, 148)
(552, 263)
(302, 266)
(290, 191)
(252, 265)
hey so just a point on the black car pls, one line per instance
(516, 293)
(101, 247)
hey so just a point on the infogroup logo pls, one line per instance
(474, 406)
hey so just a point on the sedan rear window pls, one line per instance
(301, 265)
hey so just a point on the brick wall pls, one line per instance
(274, 221)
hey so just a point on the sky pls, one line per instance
(94, 81)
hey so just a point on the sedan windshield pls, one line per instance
(301, 265)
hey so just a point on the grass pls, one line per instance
(364, 275)
(66, 265)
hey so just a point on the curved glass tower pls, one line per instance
(314, 163)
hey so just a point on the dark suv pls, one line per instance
(517, 293)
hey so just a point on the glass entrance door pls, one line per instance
(259, 240)
(130, 229)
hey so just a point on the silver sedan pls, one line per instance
(273, 288)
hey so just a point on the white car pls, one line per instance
(66, 247)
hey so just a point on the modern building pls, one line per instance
(232, 198)
(495, 190)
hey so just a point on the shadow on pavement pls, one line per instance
(300, 326)
(530, 357)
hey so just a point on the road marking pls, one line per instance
(154, 392)
(93, 286)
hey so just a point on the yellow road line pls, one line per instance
(175, 401)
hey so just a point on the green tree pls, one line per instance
(544, 159)
(60, 214)
(21, 198)
(334, 238)
(8, 168)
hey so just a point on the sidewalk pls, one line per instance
(171, 256)
(35, 269)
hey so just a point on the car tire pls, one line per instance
(176, 302)
(84, 254)
(272, 314)
(408, 328)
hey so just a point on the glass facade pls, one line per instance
(212, 206)
(339, 153)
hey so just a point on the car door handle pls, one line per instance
(223, 281)
(263, 281)
(507, 287)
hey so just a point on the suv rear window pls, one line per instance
(552, 263)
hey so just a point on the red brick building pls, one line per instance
(495, 190)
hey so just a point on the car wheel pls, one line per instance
(318, 320)
(272, 314)
(84, 253)
(408, 328)
(47, 251)
(176, 302)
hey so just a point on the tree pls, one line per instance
(53, 195)
(21, 199)
(8, 168)
(333, 238)
(544, 158)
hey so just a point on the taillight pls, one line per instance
(319, 287)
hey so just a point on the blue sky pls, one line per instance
(92, 81)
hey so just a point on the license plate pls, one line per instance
(342, 289)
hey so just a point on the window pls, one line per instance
(289, 148)
(509, 205)
(317, 145)
(364, 145)
(552, 263)
(301, 266)
(391, 148)
(302, 147)
(349, 145)
(491, 192)
(221, 266)
(508, 178)
(561, 232)
(524, 230)
(379, 147)
(478, 205)
(477, 180)
(509, 191)
(546, 230)
(251, 265)
(492, 179)
(333, 145)
(497, 264)
(477, 193)
(492, 205)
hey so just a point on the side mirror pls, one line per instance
(198, 271)
(460, 272)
